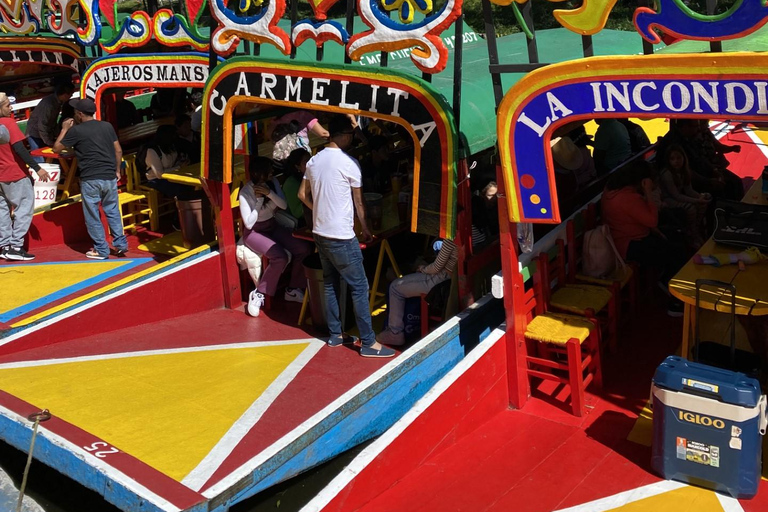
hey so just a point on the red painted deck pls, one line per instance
(540, 458)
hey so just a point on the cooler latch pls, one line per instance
(763, 420)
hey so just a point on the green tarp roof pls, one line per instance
(478, 106)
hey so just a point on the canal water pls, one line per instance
(56, 493)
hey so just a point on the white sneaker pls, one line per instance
(294, 295)
(255, 303)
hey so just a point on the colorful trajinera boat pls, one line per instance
(164, 396)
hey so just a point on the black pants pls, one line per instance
(655, 252)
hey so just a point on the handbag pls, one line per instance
(741, 224)
(600, 258)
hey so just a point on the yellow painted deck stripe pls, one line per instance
(685, 499)
(167, 410)
(23, 284)
(111, 286)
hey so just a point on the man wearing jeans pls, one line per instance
(99, 157)
(17, 191)
(335, 182)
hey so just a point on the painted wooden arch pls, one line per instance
(143, 70)
(704, 86)
(37, 55)
(400, 98)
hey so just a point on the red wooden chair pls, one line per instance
(585, 300)
(563, 348)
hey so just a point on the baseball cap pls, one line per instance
(84, 105)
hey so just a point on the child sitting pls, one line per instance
(677, 192)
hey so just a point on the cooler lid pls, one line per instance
(678, 374)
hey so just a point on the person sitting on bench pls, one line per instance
(414, 285)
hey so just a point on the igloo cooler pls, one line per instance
(707, 427)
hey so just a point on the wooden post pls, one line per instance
(517, 351)
(218, 193)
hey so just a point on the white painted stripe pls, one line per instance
(99, 464)
(372, 451)
(244, 470)
(729, 504)
(226, 445)
(142, 353)
(109, 296)
(621, 499)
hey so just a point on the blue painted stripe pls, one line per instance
(153, 272)
(69, 290)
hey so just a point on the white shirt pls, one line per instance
(332, 174)
(254, 209)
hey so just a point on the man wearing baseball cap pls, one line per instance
(17, 190)
(99, 158)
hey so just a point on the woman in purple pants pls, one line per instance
(259, 199)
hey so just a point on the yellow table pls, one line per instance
(191, 174)
(751, 282)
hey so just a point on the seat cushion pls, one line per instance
(558, 328)
(622, 276)
(578, 298)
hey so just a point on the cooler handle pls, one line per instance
(763, 420)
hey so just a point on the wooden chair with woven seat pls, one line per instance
(158, 204)
(622, 283)
(587, 300)
(134, 204)
(560, 344)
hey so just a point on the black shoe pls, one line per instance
(120, 253)
(675, 308)
(18, 254)
(2, 253)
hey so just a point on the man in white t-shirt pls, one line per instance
(335, 182)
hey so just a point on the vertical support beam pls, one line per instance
(586, 46)
(350, 26)
(458, 60)
(294, 18)
(533, 49)
(517, 350)
(714, 46)
(218, 194)
(647, 47)
(493, 51)
(464, 234)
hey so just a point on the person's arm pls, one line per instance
(671, 190)
(249, 212)
(643, 209)
(304, 195)
(598, 155)
(277, 198)
(443, 257)
(118, 158)
(154, 165)
(318, 129)
(357, 197)
(20, 149)
(66, 125)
